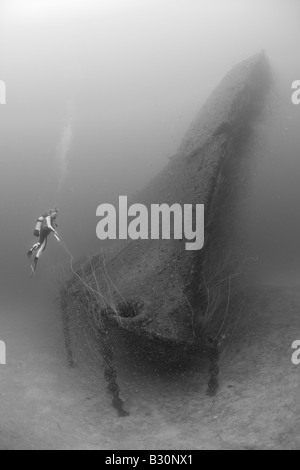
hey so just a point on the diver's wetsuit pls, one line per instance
(47, 228)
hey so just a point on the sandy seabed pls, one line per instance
(46, 405)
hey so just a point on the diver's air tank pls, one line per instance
(37, 228)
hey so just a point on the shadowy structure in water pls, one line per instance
(155, 288)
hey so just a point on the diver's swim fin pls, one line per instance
(29, 253)
(33, 267)
(32, 271)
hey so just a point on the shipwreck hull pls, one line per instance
(156, 288)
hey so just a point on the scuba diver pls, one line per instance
(44, 226)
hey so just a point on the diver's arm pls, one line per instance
(48, 220)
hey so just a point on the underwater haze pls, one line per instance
(99, 95)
